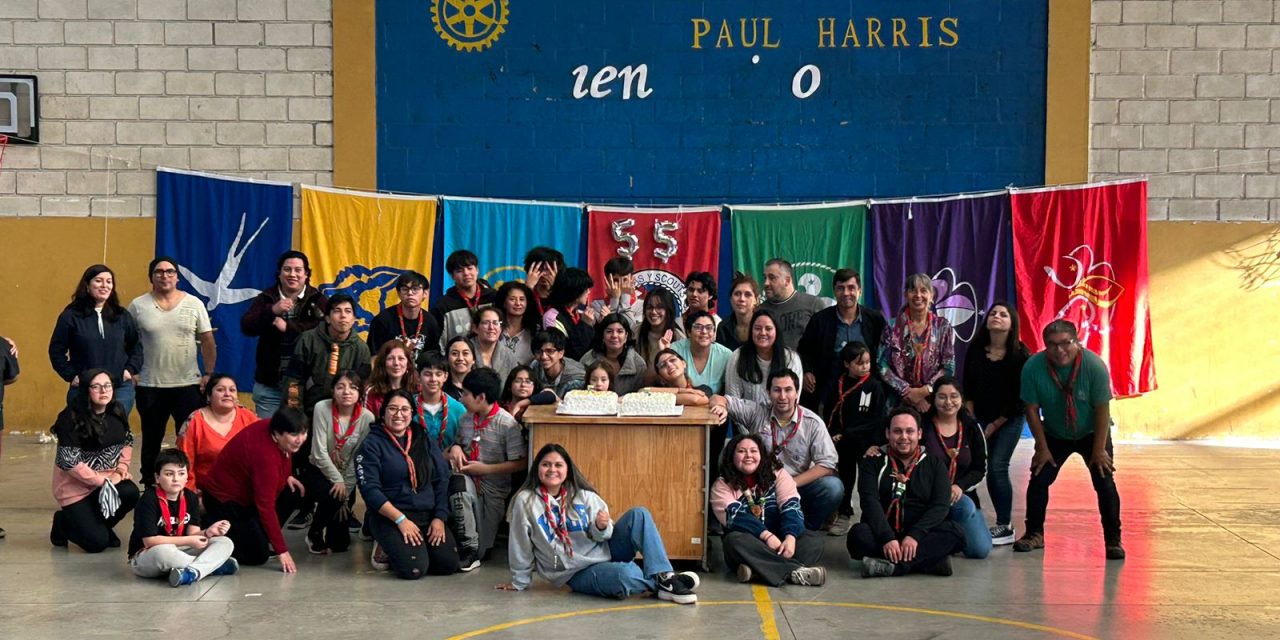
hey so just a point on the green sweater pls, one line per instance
(309, 367)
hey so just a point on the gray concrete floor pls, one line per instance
(1200, 529)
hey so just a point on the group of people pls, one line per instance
(422, 420)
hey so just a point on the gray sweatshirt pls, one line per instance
(533, 545)
(323, 444)
(793, 315)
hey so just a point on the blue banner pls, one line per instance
(226, 234)
(500, 232)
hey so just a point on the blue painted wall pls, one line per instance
(716, 127)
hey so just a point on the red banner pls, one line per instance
(665, 245)
(1080, 253)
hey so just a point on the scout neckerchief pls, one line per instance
(1068, 389)
(918, 345)
(444, 416)
(952, 453)
(794, 423)
(339, 438)
(417, 332)
(753, 497)
(559, 526)
(900, 479)
(837, 412)
(165, 516)
(574, 315)
(478, 430)
(404, 451)
(471, 303)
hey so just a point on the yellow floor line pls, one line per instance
(764, 606)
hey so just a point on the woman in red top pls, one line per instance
(251, 488)
(209, 429)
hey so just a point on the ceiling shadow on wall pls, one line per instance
(1257, 263)
(1243, 412)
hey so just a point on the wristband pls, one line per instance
(399, 520)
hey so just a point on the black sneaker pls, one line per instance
(876, 568)
(943, 568)
(674, 590)
(690, 579)
(468, 561)
(2, 534)
(299, 521)
(316, 545)
(55, 534)
(1115, 551)
(1002, 534)
(354, 525)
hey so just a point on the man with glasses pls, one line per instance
(170, 325)
(700, 295)
(551, 370)
(276, 318)
(832, 328)
(407, 321)
(1068, 394)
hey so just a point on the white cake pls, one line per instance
(649, 403)
(589, 403)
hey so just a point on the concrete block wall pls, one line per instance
(241, 87)
(1188, 92)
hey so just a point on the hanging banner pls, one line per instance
(500, 232)
(226, 234)
(359, 243)
(665, 245)
(1080, 253)
(962, 243)
(815, 239)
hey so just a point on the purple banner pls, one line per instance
(962, 242)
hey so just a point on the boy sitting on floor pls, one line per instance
(166, 538)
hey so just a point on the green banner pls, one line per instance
(815, 239)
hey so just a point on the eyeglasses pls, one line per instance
(667, 363)
(393, 409)
(100, 387)
(703, 328)
(165, 273)
(1062, 346)
(413, 291)
(491, 323)
(550, 351)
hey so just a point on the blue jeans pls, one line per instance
(622, 578)
(1000, 446)
(124, 394)
(266, 400)
(977, 537)
(819, 499)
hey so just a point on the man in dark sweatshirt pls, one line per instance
(791, 307)
(468, 293)
(324, 351)
(277, 317)
(407, 321)
(829, 330)
(905, 495)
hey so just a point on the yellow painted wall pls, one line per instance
(1215, 290)
(1066, 127)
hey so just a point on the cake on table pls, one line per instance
(649, 403)
(588, 403)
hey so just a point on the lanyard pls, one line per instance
(478, 430)
(795, 428)
(166, 516)
(404, 332)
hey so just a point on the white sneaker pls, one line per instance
(379, 559)
(841, 526)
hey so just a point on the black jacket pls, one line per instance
(386, 327)
(926, 504)
(76, 345)
(817, 346)
(275, 348)
(973, 450)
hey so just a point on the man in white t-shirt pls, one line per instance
(170, 325)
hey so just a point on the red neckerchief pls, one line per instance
(444, 416)
(574, 315)
(479, 429)
(165, 516)
(537, 299)
(918, 347)
(559, 526)
(900, 479)
(953, 454)
(405, 332)
(1068, 389)
(773, 431)
(340, 439)
(471, 303)
(837, 412)
(404, 451)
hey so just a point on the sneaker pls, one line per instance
(841, 526)
(181, 577)
(468, 561)
(690, 579)
(354, 525)
(379, 559)
(55, 534)
(744, 573)
(1029, 542)
(1002, 534)
(316, 545)
(808, 576)
(228, 568)
(2, 533)
(365, 534)
(876, 568)
(299, 521)
(943, 568)
(674, 590)
(1115, 551)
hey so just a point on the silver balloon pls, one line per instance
(620, 234)
(662, 235)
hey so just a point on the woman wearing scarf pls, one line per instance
(919, 348)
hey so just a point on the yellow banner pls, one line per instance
(359, 243)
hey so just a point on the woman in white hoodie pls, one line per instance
(561, 527)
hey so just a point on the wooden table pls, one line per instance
(655, 462)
